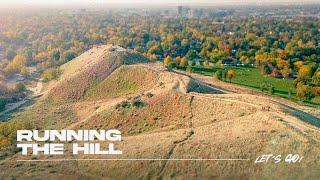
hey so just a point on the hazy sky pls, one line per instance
(219, 2)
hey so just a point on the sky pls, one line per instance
(214, 2)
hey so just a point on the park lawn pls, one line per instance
(251, 78)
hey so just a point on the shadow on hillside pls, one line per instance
(203, 87)
(7, 116)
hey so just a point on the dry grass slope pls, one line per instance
(165, 114)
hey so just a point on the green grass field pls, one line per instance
(251, 78)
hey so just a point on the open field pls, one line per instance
(252, 78)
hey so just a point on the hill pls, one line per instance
(166, 115)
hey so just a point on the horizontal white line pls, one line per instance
(143, 159)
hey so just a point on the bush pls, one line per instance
(123, 104)
(304, 92)
(189, 69)
(271, 89)
(137, 103)
(51, 74)
(8, 131)
(172, 65)
(20, 87)
(264, 69)
(218, 74)
(290, 92)
(184, 62)
(167, 60)
(263, 86)
(69, 55)
(192, 63)
(224, 74)
(230, 74)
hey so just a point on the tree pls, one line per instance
(206, 64)
(304, 92)
(172, 65)
(218, 74)
(69, 55)
(56, 55)
(10, 54)
(189, 69)
(284, 67)
(271, 89)
(298, 65)
(178, 60)
(304, 72)
(17, 65)
(264, 69)
(224, 74)
(167, 60)
(41, 57)
(51, 74)
(20, 87)
(285, 72)
(230, 74)
(192, 54)
(152, 57)
(184, 62)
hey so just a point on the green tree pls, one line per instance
(218, 74)
(10, 54)
(20, 87)
(69, 55)
(167, 60)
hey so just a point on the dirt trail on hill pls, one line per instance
(102, 106)
(307, 114)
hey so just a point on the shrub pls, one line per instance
(189, 69)
(304, 92)
(290, 92)
(263, 86)
(206, 64)
(264, 69)
(218, 74)
(271, 89)
(167, 60)
(69, 55)
(51, 74)
(20, 87)
(224, 74)
(8, 131)
(192, 63)
(123, 104)
(137, 103)
(230, 74)
(184, 62)
(172, 65)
